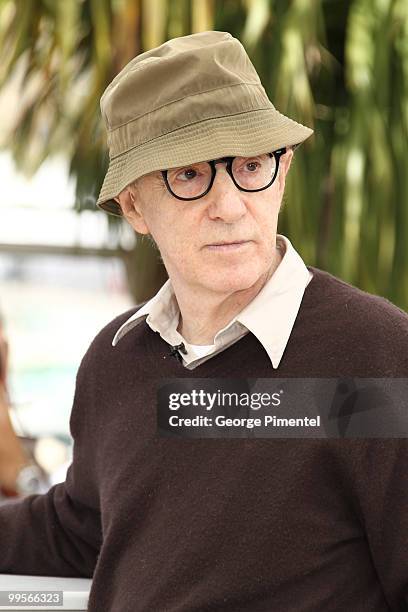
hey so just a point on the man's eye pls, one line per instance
(188, 174)
(252, 166)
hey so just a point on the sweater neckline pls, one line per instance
(156, 347)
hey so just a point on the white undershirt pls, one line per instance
(199, 350)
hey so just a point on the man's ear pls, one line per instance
(284, 165)
(130, 205)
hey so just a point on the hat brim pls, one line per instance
(244, 134)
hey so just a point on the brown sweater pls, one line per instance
(232, 525)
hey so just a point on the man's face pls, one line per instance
(185, 231)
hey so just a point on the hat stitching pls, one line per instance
(257, 84)
(255, 110)
(297, 123)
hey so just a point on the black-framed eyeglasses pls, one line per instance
(194, 181)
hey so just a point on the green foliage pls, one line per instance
(339, 67)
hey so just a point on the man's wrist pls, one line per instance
(4, 396)
(29, 480)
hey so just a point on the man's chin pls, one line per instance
(232, 282)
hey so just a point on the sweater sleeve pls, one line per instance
(59, 533)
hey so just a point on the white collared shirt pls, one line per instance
(270, 316)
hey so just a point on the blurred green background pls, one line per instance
(339, 67)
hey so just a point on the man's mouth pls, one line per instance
(227, 246)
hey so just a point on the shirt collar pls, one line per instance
(272, 313)
(270, 316)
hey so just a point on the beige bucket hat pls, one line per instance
(194, 98)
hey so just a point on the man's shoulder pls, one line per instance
(353, 303)
(362, 321)
(101, 344)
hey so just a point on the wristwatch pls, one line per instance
(29, 480)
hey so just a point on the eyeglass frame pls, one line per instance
(229, 161)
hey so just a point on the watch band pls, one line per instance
(29, 480)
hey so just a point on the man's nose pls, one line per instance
(226, 200)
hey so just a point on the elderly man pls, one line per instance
(199, 157)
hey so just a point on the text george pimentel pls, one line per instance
(249, 423)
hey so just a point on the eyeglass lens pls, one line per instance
(249, 173)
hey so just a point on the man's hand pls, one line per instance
(12, 455)
(4, 353)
